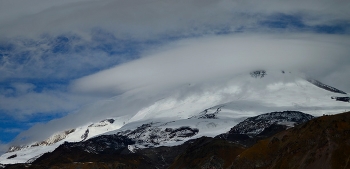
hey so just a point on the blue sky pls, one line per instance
(45, 48)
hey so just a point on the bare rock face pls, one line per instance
(258, 74)
(62, 135)
(342, 99)
(324, 86)
(54, 139)
(149, 135)
(85, 135)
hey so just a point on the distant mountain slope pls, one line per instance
(51, 140)
(28, 153)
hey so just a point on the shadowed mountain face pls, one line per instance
(322, 142)
(252, 129)
(256, 125)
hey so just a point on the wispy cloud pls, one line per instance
(3, 148)
(35, 72)
(12, 130)
(22, 101)
(63, 56)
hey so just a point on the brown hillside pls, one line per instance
(323, 142)
(207, 153)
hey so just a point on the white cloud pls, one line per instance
(24, 101)
(201, 59)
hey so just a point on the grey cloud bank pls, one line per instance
(142, 19)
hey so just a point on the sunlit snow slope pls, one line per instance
(28, 153)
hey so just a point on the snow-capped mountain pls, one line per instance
(28, 153)
(212, 111)
(155, 134)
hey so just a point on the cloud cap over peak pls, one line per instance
(202, 59)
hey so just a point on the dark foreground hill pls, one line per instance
(322, 142)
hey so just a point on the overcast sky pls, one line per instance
(59, 57)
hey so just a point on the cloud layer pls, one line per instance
(135, 18)
(201, 59)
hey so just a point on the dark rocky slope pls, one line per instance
(252, 129)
